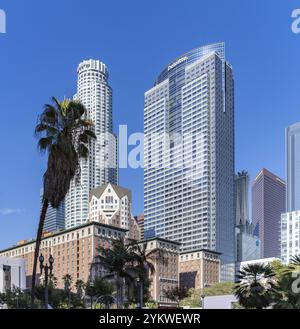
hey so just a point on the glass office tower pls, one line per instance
(293, 167)
(290, 238)
(55, 218)
(242, 198)
(268, 203)
(189, 154)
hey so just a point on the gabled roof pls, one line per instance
(120, 191)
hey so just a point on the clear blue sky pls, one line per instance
(46, 40)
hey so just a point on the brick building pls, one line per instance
(73, 250)
(199, 268)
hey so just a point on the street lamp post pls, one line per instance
(48, 272)
(202, 301)
(17, 298)
(203, 294)
(91, 292)
(140, 293)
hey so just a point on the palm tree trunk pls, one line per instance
(37, 248)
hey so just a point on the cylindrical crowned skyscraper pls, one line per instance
(101, 166)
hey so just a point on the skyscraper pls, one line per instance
(268, 203)
(293, 166)
(140, 220)
(55, 218)
(290, 221)
(101, 166)
(247, 245)
(242, 198)
(189, 154)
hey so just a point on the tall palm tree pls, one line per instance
(67, 278)
(146, 258)
(255, 286)
(144, 262)
(64, 134)
(68, 286)
(80, 287)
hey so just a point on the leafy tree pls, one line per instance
(219, 289)
(101, 292)
(193, 298)
(286, 296)
(64, 135)
(15, 299)
(255, 286)
(100, 287)
(176, 294)
(59, 298)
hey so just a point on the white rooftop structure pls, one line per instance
(12, 273)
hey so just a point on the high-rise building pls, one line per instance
(268, 203)
(290, 221)
(242, 198)
(101, 166)
(293, 167)
(189, 154)
(247, 244)
(55, 217)
(141, 221)
(290, 235)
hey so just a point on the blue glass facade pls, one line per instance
(189, 176)
(293, 167)
(55, 218)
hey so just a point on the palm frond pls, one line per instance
(295, 260)
(45, 143)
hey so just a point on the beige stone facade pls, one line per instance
(111, 205)
(73, 250)
(166, 272)
(134, 230)
(141, 221)
(199, 269)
